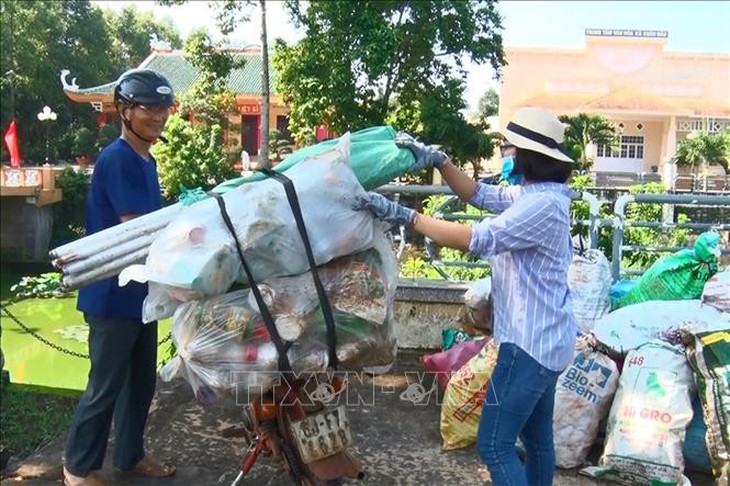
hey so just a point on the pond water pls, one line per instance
(31, 362)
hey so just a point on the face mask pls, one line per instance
(508, 166)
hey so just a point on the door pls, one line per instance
(249, 134)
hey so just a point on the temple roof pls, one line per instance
(181, 74)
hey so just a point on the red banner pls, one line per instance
(11, 142)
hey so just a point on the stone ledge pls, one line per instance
(431, 291)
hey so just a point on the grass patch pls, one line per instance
(31, 418)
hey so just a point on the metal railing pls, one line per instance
(594, 223)
(620, 222)
(623, 179)
(680, 183)
(701, 183)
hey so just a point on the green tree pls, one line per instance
(584, 129)
(209, 97)
(107, 134)
(129, 32)
(403, 63)
(38, 40)
(193, 157)
(703, 149)
(69, 214)
(488, 104)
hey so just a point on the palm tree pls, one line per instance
(702, 149)
(584, 129)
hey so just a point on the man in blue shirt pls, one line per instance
(122, 349)
(530, 250)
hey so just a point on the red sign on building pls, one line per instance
(250, 109)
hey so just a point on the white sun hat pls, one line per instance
(538, 130)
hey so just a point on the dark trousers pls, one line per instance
(121, 385)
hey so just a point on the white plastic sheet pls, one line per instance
(629, 327)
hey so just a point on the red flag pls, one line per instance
(11, 141)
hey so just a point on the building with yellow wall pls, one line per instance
(657, 97)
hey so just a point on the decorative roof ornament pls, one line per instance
(68, 87)
(157, 44)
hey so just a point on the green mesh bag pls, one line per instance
(374, 157)
(680, 276)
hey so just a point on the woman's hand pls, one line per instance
(426, 155)
(384, 209)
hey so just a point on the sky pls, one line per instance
(693, 26)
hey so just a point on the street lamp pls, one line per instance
(47, 115)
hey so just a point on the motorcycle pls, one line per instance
(295, 424)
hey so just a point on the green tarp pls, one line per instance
(374, 157)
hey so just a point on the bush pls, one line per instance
(84, 143)
(69, 214)
(417, 264)
(192, 157)
(44, 286)
(107, 134)
(279, 146)
(637, 260)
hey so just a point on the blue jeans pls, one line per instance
(518, 402)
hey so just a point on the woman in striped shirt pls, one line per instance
(529, 248)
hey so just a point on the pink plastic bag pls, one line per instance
(445, 363)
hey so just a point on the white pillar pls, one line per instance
(671, 141)
(669, 172)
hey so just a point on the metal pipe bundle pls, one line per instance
(106, 253)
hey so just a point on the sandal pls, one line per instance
(92, 479)
(151, 468)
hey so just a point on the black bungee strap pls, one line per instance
(281, 347)
(329, 320)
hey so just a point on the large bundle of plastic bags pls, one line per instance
(666, 347)
(225, 350)
(629, 327)
(195, 256)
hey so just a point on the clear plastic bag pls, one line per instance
(224, 348)
(195, 257)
